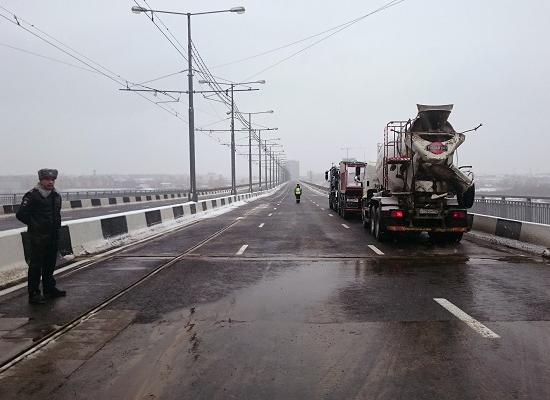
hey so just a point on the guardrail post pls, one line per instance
(529, 210)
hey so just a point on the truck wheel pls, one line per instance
(467, 198)
(371, 221)
(364, 219)
(379, 230)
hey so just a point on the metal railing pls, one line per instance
(530, 209)
(522, 208)
(15, 198)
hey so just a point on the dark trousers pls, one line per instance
(42, 263)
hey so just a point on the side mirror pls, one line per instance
(326, 175)
(357, 171)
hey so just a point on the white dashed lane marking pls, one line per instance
(345, 226)
(270, 214)
(376, 250)
(471, 322)
(330, 215)
(242, 249)
(261, 225)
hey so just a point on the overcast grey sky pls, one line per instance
(490, 58)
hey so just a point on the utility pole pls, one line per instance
(270, 167)
(265, 153)
(232, 85)
(250, 152)
(192, 176)
(233, 178)
(250, 144)
(233, 147)
(259, 160)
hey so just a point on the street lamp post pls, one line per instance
(192, 174)
(250, 146)
(259, 160)
(271, 164)
(232, 86)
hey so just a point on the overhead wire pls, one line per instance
(286, 45)
(47, 58)
(342, 27)
(159, 78)
(93, 65)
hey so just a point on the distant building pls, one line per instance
(293, 167)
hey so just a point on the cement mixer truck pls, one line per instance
(418, 188)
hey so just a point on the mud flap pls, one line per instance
(467, 198)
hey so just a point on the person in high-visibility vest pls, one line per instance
(297, 192)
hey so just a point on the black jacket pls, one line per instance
(41, 215)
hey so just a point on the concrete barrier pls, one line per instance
(527, 232)
(103, 202)
(13, 265)
(86, 236)
(96, 234)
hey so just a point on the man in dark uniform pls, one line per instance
(40, 210)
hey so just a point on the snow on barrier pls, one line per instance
(528, 232)
(13, 256)
(96, 234)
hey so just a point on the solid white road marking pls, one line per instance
(376, 250)
(330, 215)
(270, 214)
(345, 226)
(242, 249)
(471, 322)
(261, 225)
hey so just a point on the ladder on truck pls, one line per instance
(393, 153)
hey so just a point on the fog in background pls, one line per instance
(489, 58)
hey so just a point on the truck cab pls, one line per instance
(352, 182)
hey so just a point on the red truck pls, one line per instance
(346, 187)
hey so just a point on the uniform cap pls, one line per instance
(47, 173)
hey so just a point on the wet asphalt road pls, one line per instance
(306, 311)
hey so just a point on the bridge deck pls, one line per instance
(283, 300)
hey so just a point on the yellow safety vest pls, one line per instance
(298, 190)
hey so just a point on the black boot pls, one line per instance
(54, 292)
(36, 298)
